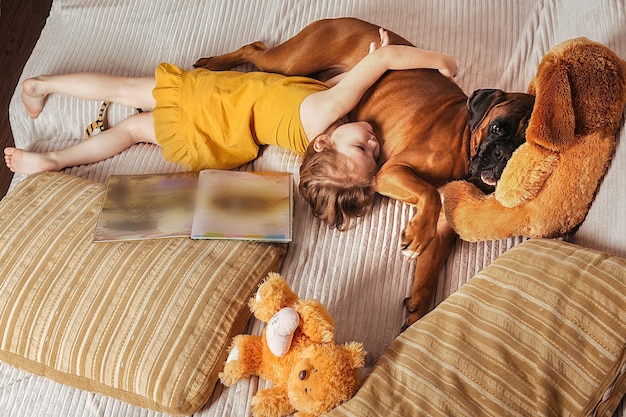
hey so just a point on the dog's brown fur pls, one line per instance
(420, 117)
(550, 181)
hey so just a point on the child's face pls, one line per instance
(357, 142)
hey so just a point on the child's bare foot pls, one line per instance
(32, 97)
(25, 162)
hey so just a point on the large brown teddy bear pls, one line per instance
(297, 353)
(550, 181)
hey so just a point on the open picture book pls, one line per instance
(210, 204)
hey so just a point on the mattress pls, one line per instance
(359, 274)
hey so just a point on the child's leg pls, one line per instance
(129, 91)
(136, 128)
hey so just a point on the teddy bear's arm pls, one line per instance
(244, 359)
(304, 414)
(271, 402)
(524, 175)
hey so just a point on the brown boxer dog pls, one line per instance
(427, 128)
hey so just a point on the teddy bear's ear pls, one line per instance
(552, 121)
(316, 322)
(356, 354)
(273, 294)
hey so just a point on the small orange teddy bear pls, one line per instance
(310, 374)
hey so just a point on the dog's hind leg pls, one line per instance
(328, 45)
(227, 61)
(281, 59)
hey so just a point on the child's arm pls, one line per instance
(320, 110)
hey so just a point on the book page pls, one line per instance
(243, 205)
(147, 206)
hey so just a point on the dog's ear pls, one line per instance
(478, 105)
(480, 102)
(552, 121)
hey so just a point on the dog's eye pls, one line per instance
(495, 129)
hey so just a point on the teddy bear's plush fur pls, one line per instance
(550, 181)
(313, 375)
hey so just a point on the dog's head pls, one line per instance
(497, 121)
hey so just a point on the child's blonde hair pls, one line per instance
(334, 193)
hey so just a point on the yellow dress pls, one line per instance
(210, 119)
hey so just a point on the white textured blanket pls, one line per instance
(359, 274)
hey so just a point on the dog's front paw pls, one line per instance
(416, 307)
(417, 235)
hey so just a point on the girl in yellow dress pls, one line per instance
(204, 119)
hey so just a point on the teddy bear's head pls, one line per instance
(325, 376)
(581, 88)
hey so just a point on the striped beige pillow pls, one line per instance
(146, 322)
(540, 332)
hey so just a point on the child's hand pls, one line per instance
(384, 40)
(450, 67)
